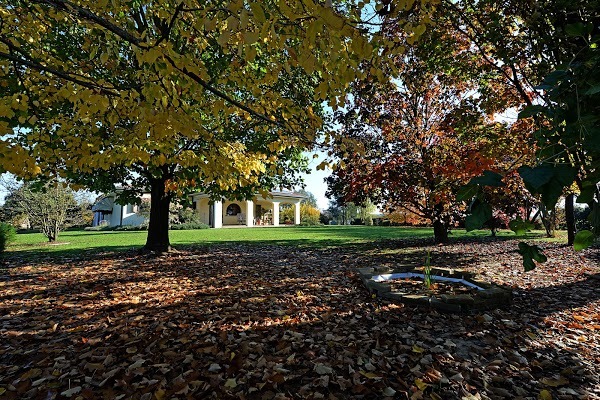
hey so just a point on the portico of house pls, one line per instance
(258, 211)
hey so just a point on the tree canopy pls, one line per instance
(548, 53)
(168, 96)
(426, 133)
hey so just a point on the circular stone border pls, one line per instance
(490, 296)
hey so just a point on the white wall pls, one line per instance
(203, 208)
(233, 219)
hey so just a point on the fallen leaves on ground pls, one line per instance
(263, 322)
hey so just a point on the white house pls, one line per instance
(109, 213)
(216, 214)
(255, 212)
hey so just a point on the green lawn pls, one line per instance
(32, 244)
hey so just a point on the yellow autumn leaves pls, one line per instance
(100, 84)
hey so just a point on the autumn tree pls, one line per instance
(309, 215)
(424, 135)
(171, 96)
(509, 200)
(542, 51)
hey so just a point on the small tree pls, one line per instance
(341, 212)
(12, 213)
(48, 206)
(367, 208)
(309, 199)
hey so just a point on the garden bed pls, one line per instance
(451, 290)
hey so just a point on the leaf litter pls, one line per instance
(262, 322)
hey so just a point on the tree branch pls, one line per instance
(90, 16)
(60, 74)
(123, 34)
(219, 93)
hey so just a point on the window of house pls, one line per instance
(233, 209)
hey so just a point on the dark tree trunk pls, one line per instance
(570, 218)
(158, 227)
(493, 224)
(440, 227)
(548, 220)
(440, 231)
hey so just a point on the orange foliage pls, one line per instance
(404, 217)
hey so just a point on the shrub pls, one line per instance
(7, 235)
(97, 228)
(189, 226)
(310, 215)
(189, 216)
(130, 228)
(325, 218)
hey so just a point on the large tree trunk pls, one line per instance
(440, 227)
(493, 224)
(570, 218)
(440, 231)
(158, 227)
(594, 217)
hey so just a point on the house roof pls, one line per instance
(276, 194)
(282, 193)
(104, 204)
(107, 202)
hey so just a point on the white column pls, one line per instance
(275, 213)
(249, 213)
(218, 214)
(297, 214)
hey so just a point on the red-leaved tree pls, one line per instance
(414, 141)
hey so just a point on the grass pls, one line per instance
(75, 242)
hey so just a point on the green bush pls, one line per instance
(189, 226)
(189, 216)
(7, 235)
(97, 228)
(131, 228)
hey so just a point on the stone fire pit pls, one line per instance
(476, 295)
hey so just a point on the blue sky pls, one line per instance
(315, 180)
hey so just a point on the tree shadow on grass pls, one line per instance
(323, 237)
(54, 254)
